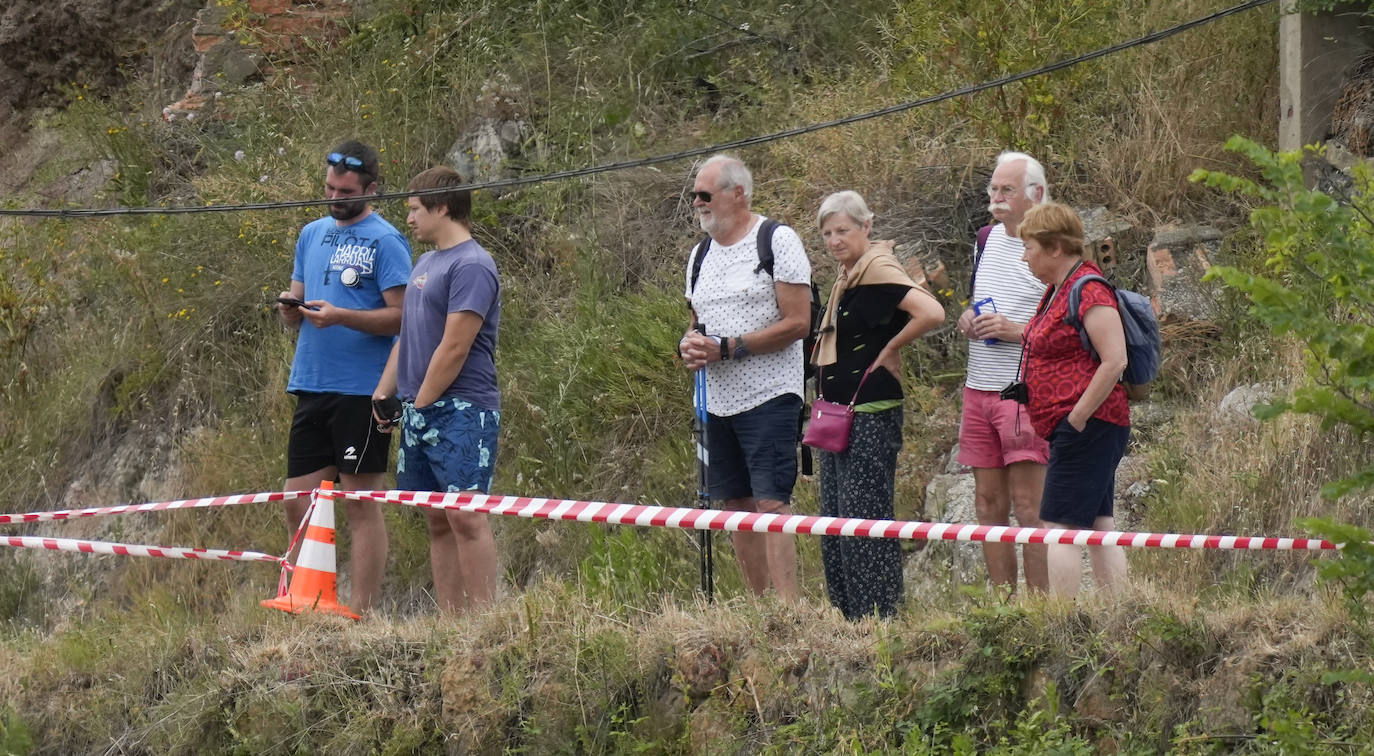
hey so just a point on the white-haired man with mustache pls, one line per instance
(995, 435)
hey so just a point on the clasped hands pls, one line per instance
(698, 350)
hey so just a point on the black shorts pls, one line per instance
(1080, 480)
(335, 430)
(754, 454)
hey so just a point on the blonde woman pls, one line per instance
(1076, 401)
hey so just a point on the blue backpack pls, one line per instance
(1143, 345)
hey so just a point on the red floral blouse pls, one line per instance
(1058, 368)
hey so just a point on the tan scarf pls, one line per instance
(877, 266)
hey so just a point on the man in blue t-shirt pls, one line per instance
(443, 368)
(350, 272)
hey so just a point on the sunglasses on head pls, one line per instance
(347, 162)
(703, 196)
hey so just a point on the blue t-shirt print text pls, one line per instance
(354, 258)
(347, 266)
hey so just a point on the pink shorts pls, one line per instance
(991, 436)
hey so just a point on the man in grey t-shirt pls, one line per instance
(443, 368)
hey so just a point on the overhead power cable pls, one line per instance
(752, 141)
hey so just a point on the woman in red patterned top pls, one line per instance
(1076, 401)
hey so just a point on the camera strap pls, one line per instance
(1042, 310)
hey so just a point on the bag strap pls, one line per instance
(697, 257)
(764, 244)
(980, 246)
(1075, 301)
(860, 387)
(820, 391)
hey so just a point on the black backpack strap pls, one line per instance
(1075, 300)
(697, 257)
(765, 245)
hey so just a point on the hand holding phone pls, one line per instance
(387, 411)
(294, 302)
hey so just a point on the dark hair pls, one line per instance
(371, 170)
(458, 203)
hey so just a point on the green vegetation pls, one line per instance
(1320, 261)
(142, 361)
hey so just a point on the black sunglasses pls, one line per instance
(347, 162)
(703, 196)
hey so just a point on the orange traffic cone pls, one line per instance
(314, 582)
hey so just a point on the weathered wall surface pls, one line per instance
(1316, 51)
(45, 44)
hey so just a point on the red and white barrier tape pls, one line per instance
(644, 516)
(703, 519)
(212, 501)
(126, 549)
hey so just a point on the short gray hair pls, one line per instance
(1035, 173)
(847, 202)
(733, 172)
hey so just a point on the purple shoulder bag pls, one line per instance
(831, 422)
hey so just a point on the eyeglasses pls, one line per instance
(703, 196)
(347, 162)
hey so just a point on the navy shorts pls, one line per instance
(754, 454)
(335, 430)
(448, 446)
(1080, 481)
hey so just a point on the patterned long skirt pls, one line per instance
(863, 575)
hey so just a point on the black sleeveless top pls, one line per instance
(866, 318)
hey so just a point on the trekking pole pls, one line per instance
(703, 493)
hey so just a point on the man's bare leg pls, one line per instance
(992, 506)
(476, 557)
(781, 550)
(1027, 486)
(295, 510)
(751, 550)
(1065, 563)
(368, 544)
(443, 562)
(1108, 562)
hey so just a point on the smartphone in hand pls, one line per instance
(294, 302)
(388, 410)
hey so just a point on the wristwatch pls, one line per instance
(741, 349)
(724, 349)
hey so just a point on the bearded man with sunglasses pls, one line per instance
(747, 327)
(347, 286)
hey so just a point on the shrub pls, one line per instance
(1316, 285)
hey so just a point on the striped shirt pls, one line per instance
(1002, 275)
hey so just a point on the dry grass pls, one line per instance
(1229, 474)
(555, 670)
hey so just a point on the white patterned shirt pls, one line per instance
(1004, 276)
(731, 300)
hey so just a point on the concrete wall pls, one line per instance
(1315, 52)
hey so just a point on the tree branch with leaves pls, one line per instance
(1317, 286)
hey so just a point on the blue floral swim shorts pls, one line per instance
(448, 446)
